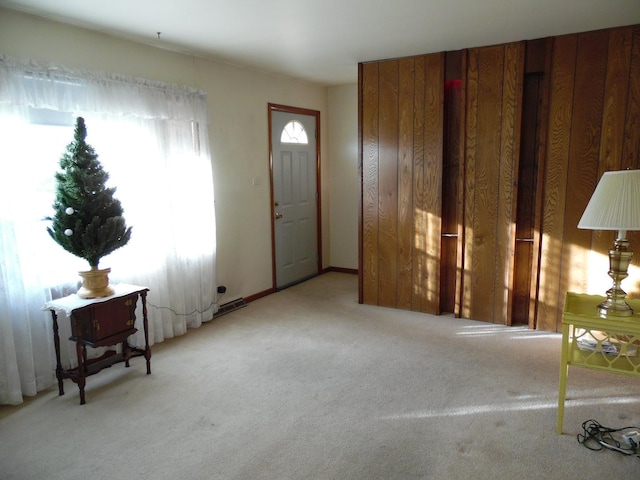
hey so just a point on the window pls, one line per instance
(294, 132)
(151, 139)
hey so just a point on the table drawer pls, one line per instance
(104, 320)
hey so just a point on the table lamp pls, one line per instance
(615, 205)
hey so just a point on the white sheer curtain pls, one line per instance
(152, 140)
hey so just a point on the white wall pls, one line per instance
(238, 131)
(343, 165)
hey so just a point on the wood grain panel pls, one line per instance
(453, 182)
(462, 147)
(615, 99)
(523, 262)
(471, 136)
(587, 121)
(419, 214)
(631, 145)
(555, 179)
(525, 257)
(525, 215)
(371, 154)
(631, 153)
(388, 183)
(405, 183)
(528, 156)
(408, 175)
(584, 148)
(451, 193)
(536, 56)
(542, 136)
(487, 182)
(512, 81)
(434, 124)
(613, 125)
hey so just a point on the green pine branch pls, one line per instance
(88, 220)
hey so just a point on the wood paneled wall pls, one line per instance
(451, 259)
(494, 99)
(580, 95)
(593, 127)
(401, 143)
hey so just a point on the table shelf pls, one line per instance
(601, 361)
(584, 328)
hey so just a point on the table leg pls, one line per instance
(564, 369)
(145, 326)
(125, 353)
(56, 343)
(81, 352)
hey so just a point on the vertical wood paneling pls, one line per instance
(433, 147)
(555, 178)
(615, 99)
(462, 147)
(404, 248)
(485, 217)
(469, 183)
(631, 145)
(489, 180)
(489, 122)
(631, 152)
(526, 204)
(613, 125)
(509, 163)
(452, 183)
(539, 198)
(370, 156)
(584, 148)
(419, 215)
(405, 183)
(589, 122)
(388, 184)
(529, 192)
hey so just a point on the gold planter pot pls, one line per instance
(95, 283)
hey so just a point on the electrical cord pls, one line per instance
(214, 302)
(596, 437)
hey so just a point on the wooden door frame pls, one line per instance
(274, 107)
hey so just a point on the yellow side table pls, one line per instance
(590, 341)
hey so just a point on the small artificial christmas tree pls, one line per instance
(87, 220)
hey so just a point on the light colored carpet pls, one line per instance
(308, 384)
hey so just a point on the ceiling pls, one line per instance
(323, 40)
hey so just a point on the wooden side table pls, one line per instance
(100, 322)
(610, 344)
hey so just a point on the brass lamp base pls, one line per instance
(619, 259)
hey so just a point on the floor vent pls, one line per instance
(230, 307)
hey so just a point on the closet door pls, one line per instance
(401, 132)
(453, 182)
(530, 182)
(494, 104)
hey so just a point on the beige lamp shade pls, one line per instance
(615, 204)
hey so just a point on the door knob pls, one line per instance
(278, 216)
